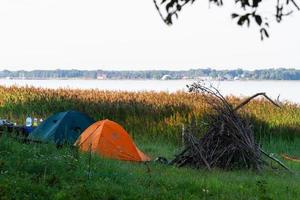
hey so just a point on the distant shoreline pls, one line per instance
(89, 79)
(191, 74)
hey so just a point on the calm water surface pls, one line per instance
(288, 90)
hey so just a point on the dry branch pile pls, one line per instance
(229, 142)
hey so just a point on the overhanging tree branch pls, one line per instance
(250, 11)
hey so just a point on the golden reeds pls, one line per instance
(143, 113)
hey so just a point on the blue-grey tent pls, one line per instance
(61, 128)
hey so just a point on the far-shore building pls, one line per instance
(204, 78)
(101, 77)
(166, 77)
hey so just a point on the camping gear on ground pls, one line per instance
(61, 128)
(11, 127)
(4, 122)
(161, 160)
(30, 125)
(4, 125)
(28, 129)
(28, 122)
(35, 122)
(109, 139)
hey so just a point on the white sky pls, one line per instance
(120, 35)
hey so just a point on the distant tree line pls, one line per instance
(208, 73)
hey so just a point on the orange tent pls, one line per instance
(109, 139)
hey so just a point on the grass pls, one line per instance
(40, 171)
(150, 114)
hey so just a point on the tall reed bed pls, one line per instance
(142, 113)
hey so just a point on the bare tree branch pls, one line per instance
(252, 97)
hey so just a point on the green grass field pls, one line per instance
(41, 171)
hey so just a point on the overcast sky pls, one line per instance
(120, 35)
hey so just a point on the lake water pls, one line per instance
(288, 90)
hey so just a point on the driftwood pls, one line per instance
(252, 97)
(229, 141)
(275, 159)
